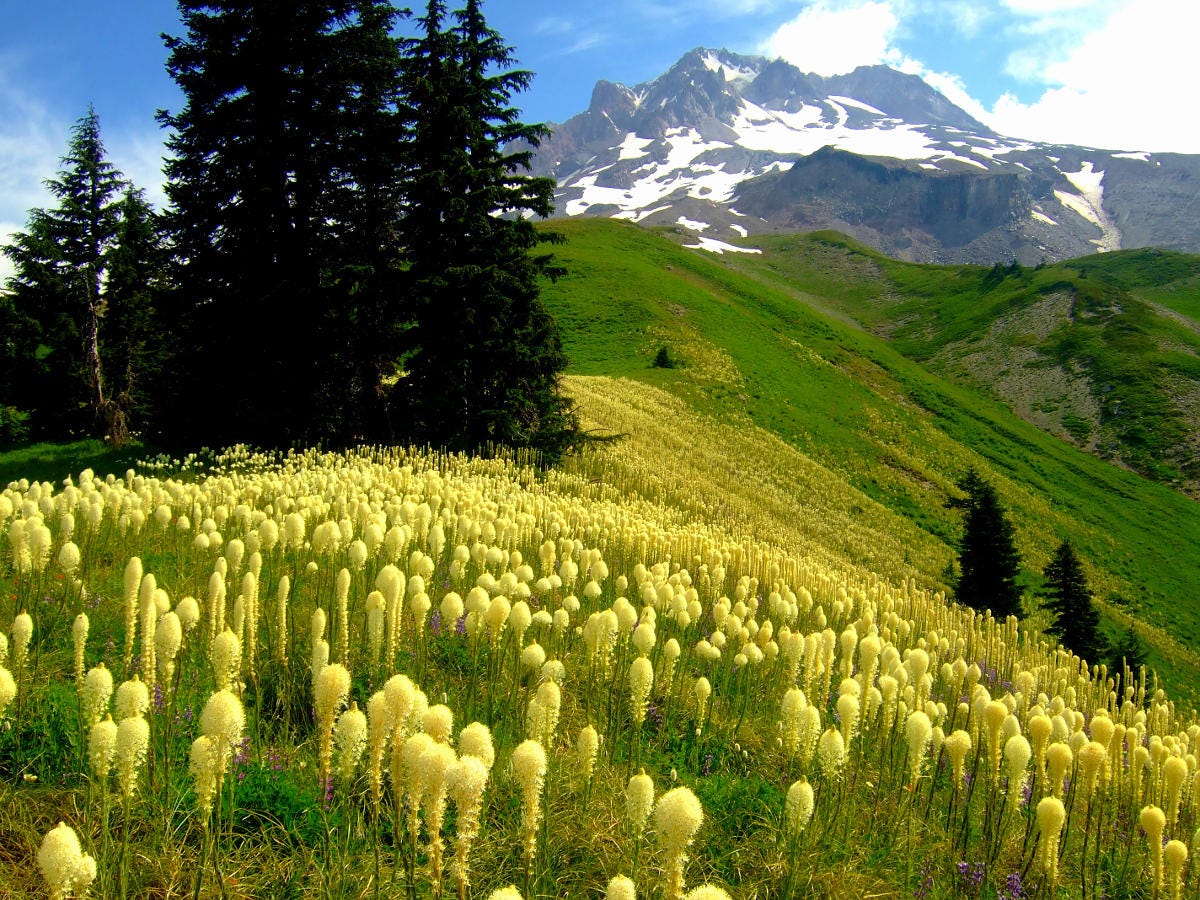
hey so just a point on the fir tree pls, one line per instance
(988, 561)
(135, 347)
(273, 161)
(62, 263)
(1076, 621)
(485, 356)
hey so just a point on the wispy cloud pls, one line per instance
(1126, 82)
(831, 38)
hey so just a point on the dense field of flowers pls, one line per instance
(400, 674)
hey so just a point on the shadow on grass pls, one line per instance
(54, 462)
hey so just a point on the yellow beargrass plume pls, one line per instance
(532, 656)
(529, 766)
(205, 769)
(401, 695)
(8, 689)
(79, 636)
(587, 746)
(790, 708)
(917, 732)
(641, 680)
(133, 698)
(1091, 760)
(958, 745)
(281, 618)
(330, 694)
(148, 611)
(188, 611)
(1058, 761)
(847, 707)
(1153, 821)
(1016, 758)
(466, 782)
(223, 719)
(438, 723)
(132, 581)
(506, 893)
(548, 705)
(476, 740)
(342, 598)
(994, 715)
(1176, 854)
(620, 887)
(1051, 814)
(102, 747)
(798, 808)
(707, 892)
(349, 741)
(407, 784)
(1174, 771)
(434, 766)
(168, 637)
(133, 743)
(226, 657)
(1039, 728)
(639, 800)
(380, 725)
(677, 817)
(67, 869)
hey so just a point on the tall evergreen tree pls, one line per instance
(60, 292)
(135, 349)
(987, 559)
(485, 356)
(1076, 621)
(272, 160)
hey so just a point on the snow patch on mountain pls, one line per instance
(634, 147)
(858, 104)
(804, 131)
(1090, 204)
(714, 63)
(692, 224)
(714, 246)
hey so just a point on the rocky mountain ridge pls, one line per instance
(725, 146)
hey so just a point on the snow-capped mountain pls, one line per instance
(726, 146)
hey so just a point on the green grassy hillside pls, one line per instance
(1102, 351)
(792, 362)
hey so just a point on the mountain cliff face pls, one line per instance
(725, 146)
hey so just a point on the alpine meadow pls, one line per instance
(373, 530)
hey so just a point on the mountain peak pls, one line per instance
(704, 147)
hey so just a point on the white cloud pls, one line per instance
(1125, 84)
(831, 39)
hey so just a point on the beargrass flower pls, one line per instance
(67, 869)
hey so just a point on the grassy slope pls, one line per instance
(883, 423)
(1103, 350)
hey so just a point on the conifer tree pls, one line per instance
(273, 163)
(60, 293)
(135, 349)
(987, 559)
(485, 356)
(1076, 621)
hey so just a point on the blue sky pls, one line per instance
(1110, 73)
